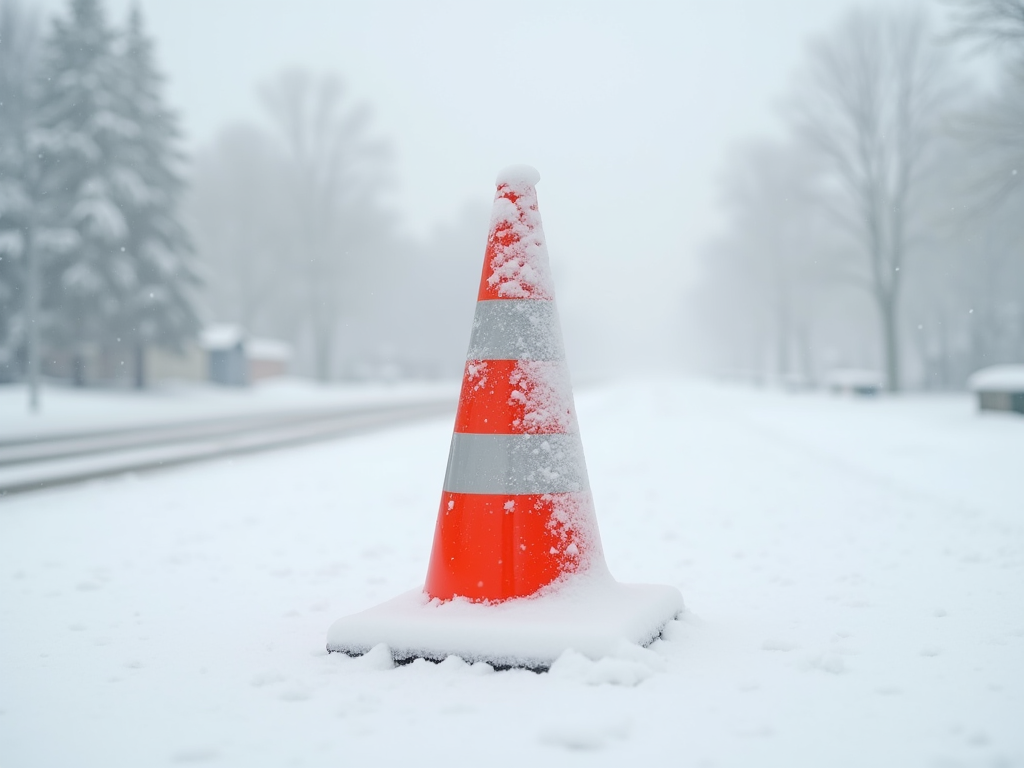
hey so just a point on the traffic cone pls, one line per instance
(516, 512)
(516, 575)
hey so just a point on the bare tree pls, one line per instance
(334, 173)
(766, 197)
(869, 106)
(991, 21)
(238, 208)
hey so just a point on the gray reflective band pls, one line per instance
(516, 464)
(516, 329)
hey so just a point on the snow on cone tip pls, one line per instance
(517, 175)
(516, 259)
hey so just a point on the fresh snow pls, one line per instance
(516, 247)
(853, 571)
(998, 378)
(67, 410)
(588, 614)
(518, 176)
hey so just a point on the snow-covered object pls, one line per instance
(268, 349)
(593, 617)
(221, 336)
(998, 378)
(517, 574)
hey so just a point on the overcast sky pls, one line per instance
(627, 109)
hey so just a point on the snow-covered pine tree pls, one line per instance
(18, 47)
(159, 307)
(79, 133)
(87, 272)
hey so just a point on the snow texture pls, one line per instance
(590, 615)
(998, 378)
(853, 572)
(517, 177)
(544, 391)
(516, 249)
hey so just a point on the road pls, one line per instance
(33, 463)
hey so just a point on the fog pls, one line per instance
(676, 143)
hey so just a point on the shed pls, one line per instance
(267, 358)
(225, 348)
(999, 388)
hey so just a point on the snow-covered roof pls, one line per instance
(854, 377)
(222, 336)
(267, 349)
(997, 378)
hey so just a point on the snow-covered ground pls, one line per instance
(68, 410)
(854, 572)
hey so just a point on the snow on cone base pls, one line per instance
(591, 616)
(517, 574)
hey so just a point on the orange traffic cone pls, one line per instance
(516, 518)
(516, 511)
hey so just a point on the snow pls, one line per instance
(66, 410)
(588, 615)
(998, 378)
(853, 572)
(518, 176)
(221, 336)
(544, 392)
(517, 254)
(267, 349)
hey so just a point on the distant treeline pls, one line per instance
(886, 228)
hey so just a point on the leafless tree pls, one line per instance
(238, 209)
(991, 21)
(869, 105)
(334, 173)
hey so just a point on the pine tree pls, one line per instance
(120, 266)
(159, 307)
(18, 57)
(87, 270)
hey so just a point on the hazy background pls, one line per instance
(657, 128)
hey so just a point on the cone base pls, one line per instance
(592, 618)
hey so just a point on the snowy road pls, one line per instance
(854, 571)
(41, 462)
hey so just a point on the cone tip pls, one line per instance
(518, 175)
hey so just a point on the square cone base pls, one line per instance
(592, 617)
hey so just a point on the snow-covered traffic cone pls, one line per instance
(516, 511)
(516, 518)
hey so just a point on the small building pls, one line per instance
(999, 388)
(225, 349)
(854, 381)
(267, 358)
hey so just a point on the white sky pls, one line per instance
(627, 109)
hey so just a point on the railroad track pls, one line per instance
(43, 462)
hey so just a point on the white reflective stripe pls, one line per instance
(516, 329)
(516, 464)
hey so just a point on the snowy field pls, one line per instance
(853, 570)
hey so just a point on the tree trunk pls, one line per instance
(322, 342)
(32, 316)
(890, 341)
(140, 365)
(78, 369)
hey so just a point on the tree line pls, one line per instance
(885, 227)
(94, 260)
(111, 243)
